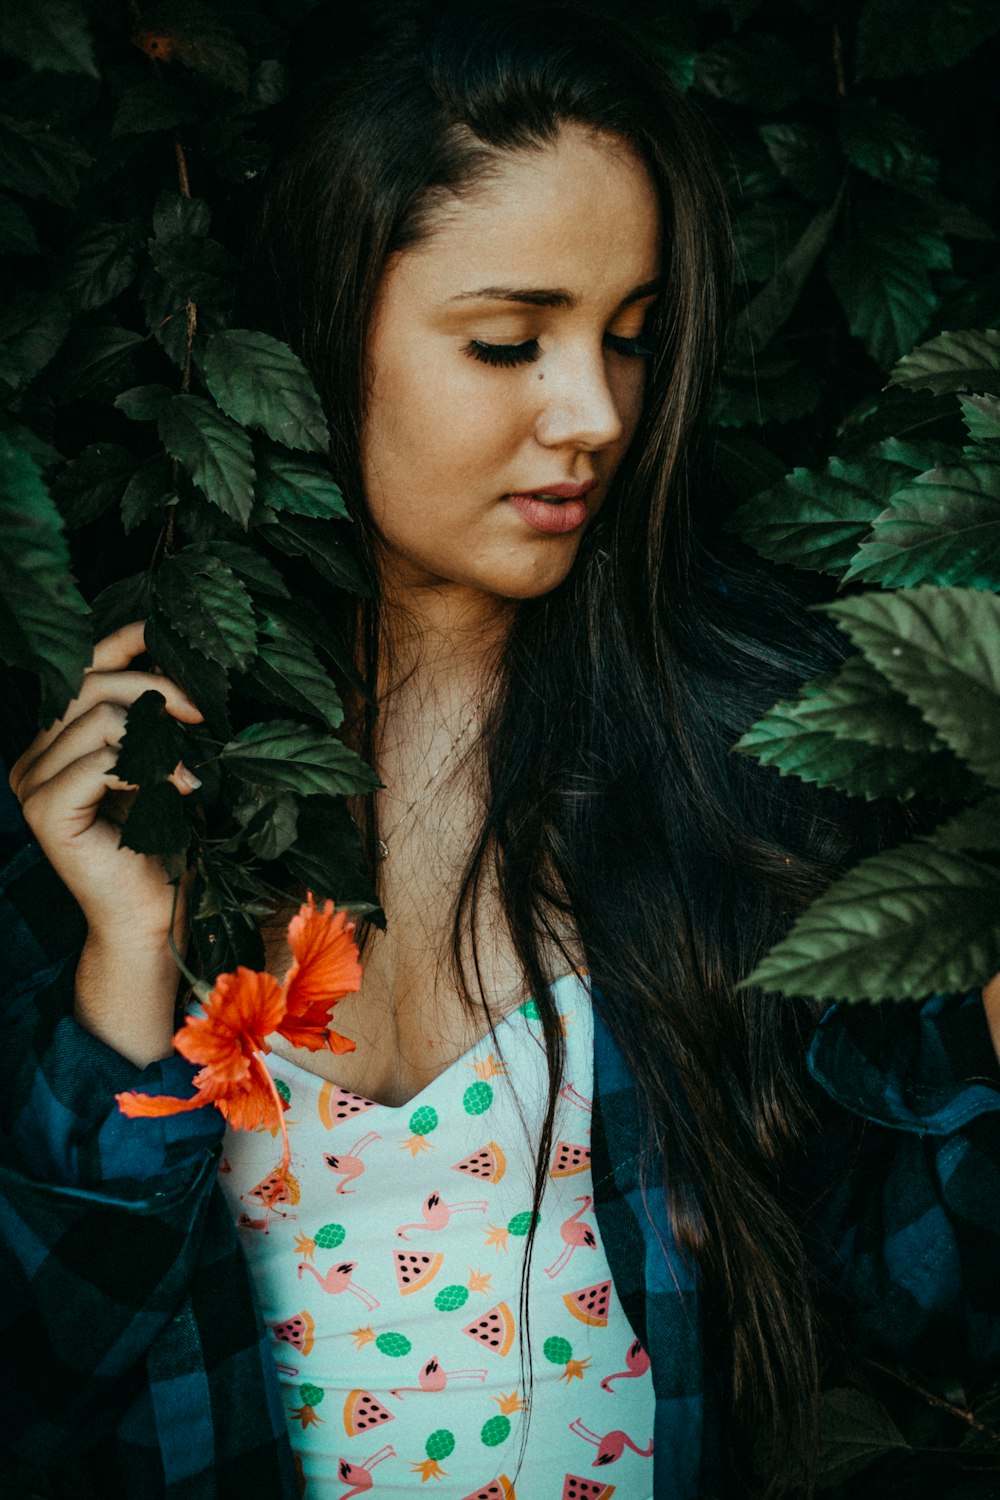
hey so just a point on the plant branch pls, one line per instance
(938, 1401)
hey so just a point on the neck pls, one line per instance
(442, 640)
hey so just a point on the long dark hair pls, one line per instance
(612, 794)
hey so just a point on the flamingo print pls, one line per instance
(611, 1446)
(339, 1279)
(574, 1234)
(433, 1378)
(435, 1214)
(637, 1361)
(351, 1166)
(574, 1097)
(359, 1475)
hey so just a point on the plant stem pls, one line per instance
(938, 1401)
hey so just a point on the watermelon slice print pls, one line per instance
(568, 1159)
(590, 1304)
(495, 1329)
(416, 1269)
(500, 1489)
(297, 1331)
(362, 1412)
(488, 1163)
(336, 1105)
(576, 1488)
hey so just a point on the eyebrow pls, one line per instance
(543, 297)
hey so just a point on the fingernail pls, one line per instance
(187, 778)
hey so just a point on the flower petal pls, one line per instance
(250, 1108)
(326, 968)
(241, 1011)
(151, 1106)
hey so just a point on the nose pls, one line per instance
(578, 404)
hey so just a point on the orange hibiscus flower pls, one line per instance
(229, 1038)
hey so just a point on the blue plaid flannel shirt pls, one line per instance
(134, 1351)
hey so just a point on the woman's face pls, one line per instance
(506, 364)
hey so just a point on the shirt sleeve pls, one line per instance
(912, 1222)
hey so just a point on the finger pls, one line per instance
(118, 649)
(102, 725)
(66, 804)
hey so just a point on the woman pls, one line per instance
(497, 240)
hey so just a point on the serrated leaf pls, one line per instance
(260, 382)
(101, 263)
(89, 484)
(806, 157)
(287, 672)
(849, 730)
(48, 34)
(886, 145)
(881, 276)
(147, 493)
(899, 926)
(773, 304)
(33, 327)
(301, 536)
(224, 935)
(754, 69)
(326, 858)
(188, 32)
(123, 601)
(940, 647)
(17, 233)
(302, 486)
(176, 217)
(968, 360)
(745, 466)
(153, 741)
(297, 758)
(900, 37)
(854, 1431)
(981, 415)
(250, 566)
(201, 678)
(765, 233)
(45, 623)
(156, 822)
(943, 528)
(143, 402)
(206, 603)
(815, 519)
(196, 268)
(95, 360)
(40, 162)
(777, 390)
(153, 104)
(268, 84)
(975, 829)
(272, 827)
(215, 451)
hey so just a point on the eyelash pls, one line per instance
(504, 356)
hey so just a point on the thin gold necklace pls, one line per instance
(382, 843)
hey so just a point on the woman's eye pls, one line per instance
(503, 354)
(636, 348)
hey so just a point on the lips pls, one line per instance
(554, 510)
(558, 492)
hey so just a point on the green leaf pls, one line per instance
(774, 303)
(268, 84)
(301, 536)
(754, 69)
(886, 145)
(975, 829)
(772, 390)
(849, 730)
(940, 647)
(176, 217)
(147, 493)
(206, 603)
(745, 466)
(326, 857)
(900, 37)
(881, 276)
(270, 827)
(287, 672)
(303, 486)
(196, 268)
(123, 601)
(17, 233)
(40, 162)
(143, 402)
(249, 565)
(297, 758)
(224, 935)
(806, 157)
(899, 926)
(156, 822)
(816, 518)
(190, 33)
(33, 326)
(260, 382)
(943, 528)
(44, 622)
(965, 361)
(765, 233)
(153, 741)
(101, 263)
(854, 1431)
(200, 677)
(215, 451)
(981, 415)
(153, 104)
(48, 34)
(95, 360)
(92, 482)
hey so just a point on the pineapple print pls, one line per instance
(496, 1430)
(518, 1226)
(310, 1396)
(477, 1098)
(451, 1298)
(422, 1122)
(440, 1444)
(559, 1351)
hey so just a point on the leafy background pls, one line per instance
(159, 461)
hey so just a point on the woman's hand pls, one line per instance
(74, 805)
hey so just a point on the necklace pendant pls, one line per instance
(381, 849)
